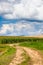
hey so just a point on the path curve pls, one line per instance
(34, 55)
(18, 59)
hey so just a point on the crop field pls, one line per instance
(19, 50)
(18, 39)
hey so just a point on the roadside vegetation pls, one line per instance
(6, 55)
(32, 42)
(34, 45)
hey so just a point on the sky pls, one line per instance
(21, 17)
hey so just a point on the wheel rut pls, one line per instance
(33, 54)
(18, 59)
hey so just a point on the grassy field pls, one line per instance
(32, 42)
(34, 45)
(7, 54)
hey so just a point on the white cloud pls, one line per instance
(12, 9)
(5, 7)
(22, 28)
(22, 9)
(11, 0)
(6, 28)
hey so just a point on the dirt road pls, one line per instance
(18, 57)
(34, 55)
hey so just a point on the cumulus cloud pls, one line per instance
(5, 8)
(6, 28)
(22, 9)
(21, 28)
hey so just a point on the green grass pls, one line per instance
(6, 57)
(2, 49)
(35, 45)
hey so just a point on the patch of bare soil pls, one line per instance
(18, 57)
(34, 55)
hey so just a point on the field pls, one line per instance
(6, 54)
(12, 46)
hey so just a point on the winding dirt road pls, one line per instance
(18, 59)
(34, 55)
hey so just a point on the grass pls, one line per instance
(6, 57)
(2, 50)
(35, 45)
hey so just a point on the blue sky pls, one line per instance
(21, 17)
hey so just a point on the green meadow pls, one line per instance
(23, 41)
(7, 52)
